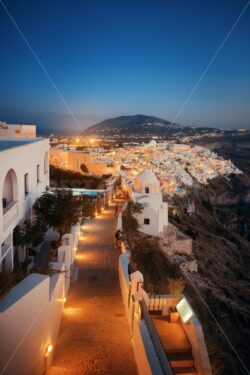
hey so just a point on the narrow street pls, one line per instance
(94, 336)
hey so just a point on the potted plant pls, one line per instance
(175, 288)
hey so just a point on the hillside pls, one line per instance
(129, 123)
(230, 146)
(220, 229)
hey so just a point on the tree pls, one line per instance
(30, 233)
(19, 236)
(88, 206)
(58, 210)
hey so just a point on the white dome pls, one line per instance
(146, 182)
(153, 142)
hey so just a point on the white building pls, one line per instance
(155, 212)
(24, 175)
(17, 130)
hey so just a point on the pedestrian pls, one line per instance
(117, 234)
(118, 238)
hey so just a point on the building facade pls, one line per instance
(24, 175)
(154, 215)
(17, 130)
(73, 159)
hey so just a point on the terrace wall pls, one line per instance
(30, 315)
(145, 356)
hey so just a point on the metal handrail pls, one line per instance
(156, 341)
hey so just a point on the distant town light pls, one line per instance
(77, 140)
(185, 311)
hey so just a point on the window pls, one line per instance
(38, 173)
(147, 190)
(46, 163)
(26, 184)
(146, 221)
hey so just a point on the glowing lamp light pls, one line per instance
(48, 350)
(185, 311)
(77, 140)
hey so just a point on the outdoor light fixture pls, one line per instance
(48, 350)
(185, 311)
(65, 299)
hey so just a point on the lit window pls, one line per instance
(146, 221)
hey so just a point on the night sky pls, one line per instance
(111, 58)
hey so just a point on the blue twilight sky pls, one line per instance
(111, 58)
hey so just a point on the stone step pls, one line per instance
(181, 359)
(184, 370)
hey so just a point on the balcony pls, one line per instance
(10, 214)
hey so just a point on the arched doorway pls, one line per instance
(10, 190)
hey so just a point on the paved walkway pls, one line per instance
(94, 336)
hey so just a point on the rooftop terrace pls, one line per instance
(8, 143)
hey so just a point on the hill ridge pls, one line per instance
(128, 122)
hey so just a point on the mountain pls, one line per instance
(135, 123)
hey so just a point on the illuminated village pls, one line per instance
(176, 165)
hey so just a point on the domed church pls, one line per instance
(146, 191)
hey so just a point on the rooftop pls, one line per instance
(7, 143)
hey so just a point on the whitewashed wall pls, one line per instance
(24, 159)
(145, 356)
(30, 317)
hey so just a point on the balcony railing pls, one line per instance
(10, 215)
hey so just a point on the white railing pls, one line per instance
(10, 215)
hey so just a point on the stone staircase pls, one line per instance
(176, 345)
(182, 362)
